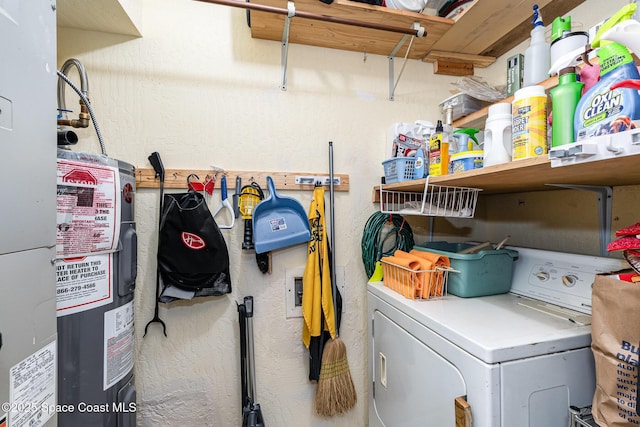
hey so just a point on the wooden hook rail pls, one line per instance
(177, 178)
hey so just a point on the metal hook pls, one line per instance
(156, 319)
(189, 184)
(225, 203)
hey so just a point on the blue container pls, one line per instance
(399, 169)
(466, 161)
(487, 272)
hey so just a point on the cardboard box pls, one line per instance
(515, 73)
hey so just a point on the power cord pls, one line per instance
(379, 228)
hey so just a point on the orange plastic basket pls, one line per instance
(415, 284)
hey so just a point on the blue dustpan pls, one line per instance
(279, 222)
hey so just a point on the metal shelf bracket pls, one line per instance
(420, 32)
(291, 12)
(605, 203)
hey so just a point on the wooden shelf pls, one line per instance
(492, 28)
(485, 31)
(533, 174)
(265, 25)
(108, 16)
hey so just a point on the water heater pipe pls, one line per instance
(83, 116)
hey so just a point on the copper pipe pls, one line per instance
(317, 17)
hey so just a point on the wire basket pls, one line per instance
(415, 284)
(399, 169)
(435, 200)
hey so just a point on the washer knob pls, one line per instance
(542, 276)
(569, 280)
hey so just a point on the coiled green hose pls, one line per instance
(374, 239)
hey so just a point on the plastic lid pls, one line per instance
(439, 127)
(559, 26)
(499, 108)
(467, 154)
(567, 70)
(529, 91)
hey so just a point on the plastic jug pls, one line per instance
(497, 135)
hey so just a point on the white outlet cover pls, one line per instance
(290, 277)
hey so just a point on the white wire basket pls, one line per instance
(435, 200)
(416, 284)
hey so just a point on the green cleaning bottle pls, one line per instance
(564, 100)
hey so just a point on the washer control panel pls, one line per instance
(559, 278)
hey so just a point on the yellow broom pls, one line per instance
(336, 393)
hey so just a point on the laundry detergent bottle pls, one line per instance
(564, 100)
(602, 110)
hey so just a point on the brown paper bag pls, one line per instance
(615, 334)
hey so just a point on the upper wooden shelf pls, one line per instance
(483, 32)
(108, 16)
(269, 26)
(533, 174)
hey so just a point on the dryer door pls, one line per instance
(412, 384)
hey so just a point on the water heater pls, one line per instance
(96, 273)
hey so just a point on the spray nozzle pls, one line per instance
(625, 13)
(465, 134)
(619, 24)
(537, 17)
(560, 26)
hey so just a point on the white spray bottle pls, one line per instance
(538, 55)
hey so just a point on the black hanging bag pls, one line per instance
(192, 253)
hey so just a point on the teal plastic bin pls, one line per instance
(487, 272)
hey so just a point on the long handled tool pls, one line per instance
(156, 162)
(336, 392)
(251, 412)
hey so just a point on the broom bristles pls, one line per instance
(336, 393)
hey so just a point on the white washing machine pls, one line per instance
(519, 359)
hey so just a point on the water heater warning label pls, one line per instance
(32, 388)
(83, 283)
(118, 344)
(88, 208)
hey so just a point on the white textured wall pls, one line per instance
(199, 90)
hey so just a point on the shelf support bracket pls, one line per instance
(392, 81)
(605, 203)
(291, 12)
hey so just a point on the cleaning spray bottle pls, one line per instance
(466, 138)
(537, 56)
(438, 152)
(447, 135)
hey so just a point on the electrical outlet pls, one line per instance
(293, 296)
